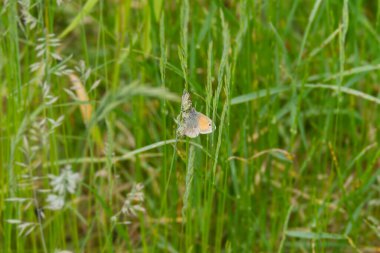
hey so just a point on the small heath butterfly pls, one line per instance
(193, 122)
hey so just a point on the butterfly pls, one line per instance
(193, 123)
(196, 123)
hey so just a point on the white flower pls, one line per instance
(26, 16)
(114, 219)
(55, 202)
(62, 184)
(17, 199)
(13, 221)
(134, 202)
(26, 228)
(133, 205)
(65, 182)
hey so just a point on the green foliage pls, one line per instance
(89, 96)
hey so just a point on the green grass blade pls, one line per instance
(89, 5)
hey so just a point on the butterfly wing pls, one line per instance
(191, 128)
(191, 132)
(205, 124)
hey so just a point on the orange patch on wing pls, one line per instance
(203, 122)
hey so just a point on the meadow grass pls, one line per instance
(90, 156)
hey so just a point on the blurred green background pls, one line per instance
(89, 97)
